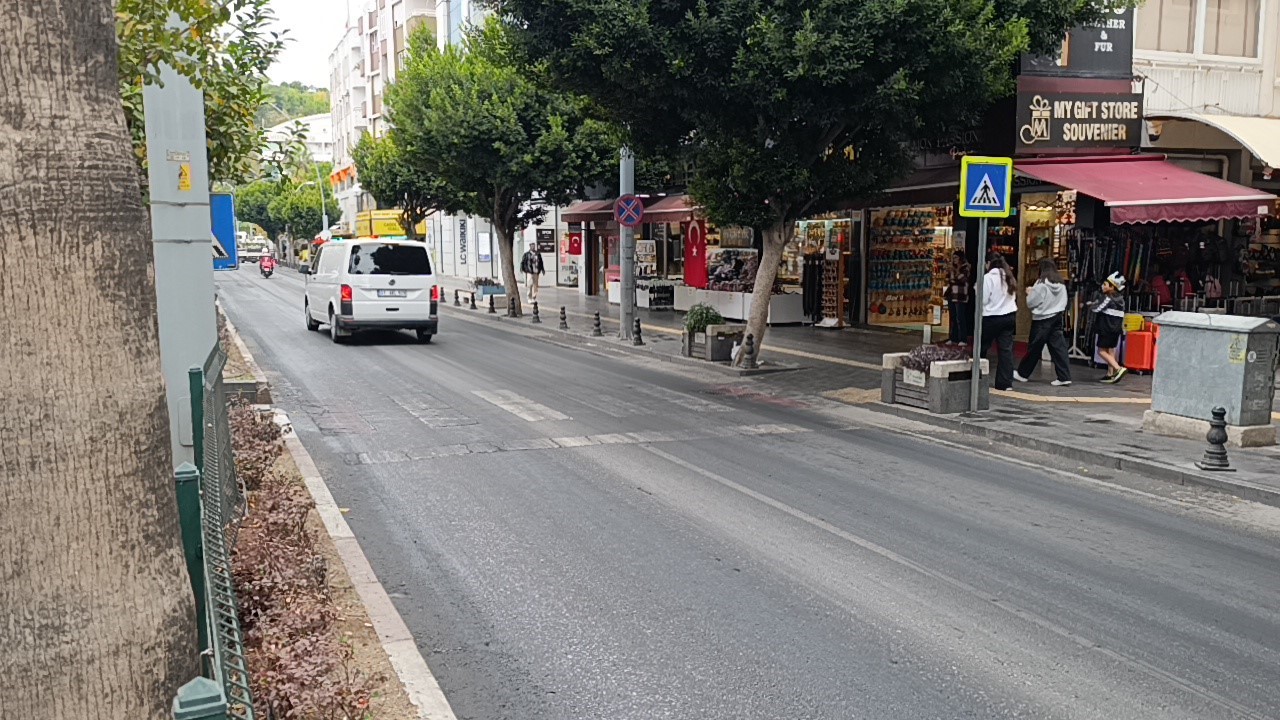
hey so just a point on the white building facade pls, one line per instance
(1210, 72)
(373, 47)
(317, 131)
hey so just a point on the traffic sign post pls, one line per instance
(629, 212)
(986, 191)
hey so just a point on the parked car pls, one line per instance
(367, 284)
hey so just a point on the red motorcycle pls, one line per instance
(267, 265)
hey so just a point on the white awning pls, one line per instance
(1259, 135)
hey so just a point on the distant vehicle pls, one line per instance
(253, 249)
(369, 284)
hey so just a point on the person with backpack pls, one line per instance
(999, 316)
(1047, 301)
(1109, 324)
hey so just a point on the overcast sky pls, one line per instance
(314, 26)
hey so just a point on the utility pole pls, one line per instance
(181, 229)
(324, 211)
(627, 248)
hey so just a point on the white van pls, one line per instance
(371, 283)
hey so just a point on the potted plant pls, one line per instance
(695, 328)
(934, 378)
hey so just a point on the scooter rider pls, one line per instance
(267, 265)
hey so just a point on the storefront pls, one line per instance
(909, 251)
(823, 263)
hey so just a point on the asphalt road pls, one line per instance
(571, 534)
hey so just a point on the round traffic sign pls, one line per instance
(628, 211)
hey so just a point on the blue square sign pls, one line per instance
(986, 187)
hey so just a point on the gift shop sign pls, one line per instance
(1048, 121)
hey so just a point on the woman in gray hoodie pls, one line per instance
(1047, 301)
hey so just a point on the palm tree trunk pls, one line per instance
(97, 617)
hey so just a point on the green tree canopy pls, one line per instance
(253, 203)
(386, 173)
(474, 120)
(296, 208)
(789, 106)
(294, 99)
(224, 48)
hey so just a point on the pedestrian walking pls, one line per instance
(533, 269)
(999, 316)
(959, 296)
(1047, 301)
(1109, 324)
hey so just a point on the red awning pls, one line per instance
(672, 208)
(1146, 189)
(588, 211)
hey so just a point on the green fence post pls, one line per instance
(187, 478)
(195, 385)
(200, 699)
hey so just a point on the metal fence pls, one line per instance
(209, 534)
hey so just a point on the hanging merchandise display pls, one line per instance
(903, 253)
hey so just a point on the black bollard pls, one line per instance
(473, 300)
(749, 352)
(1215, 458)
(595, 327)
(511, 306)
(537, 319)
(493, 310)
(456, 301)
(564, 319)
(635, 334)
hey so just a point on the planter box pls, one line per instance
(943, 390)
(484, 290)
(714, 345)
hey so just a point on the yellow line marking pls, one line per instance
(1083, 399)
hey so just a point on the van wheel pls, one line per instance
(424, 336)
(334, 334)
(312, 325)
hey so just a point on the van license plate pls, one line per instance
(392, 293)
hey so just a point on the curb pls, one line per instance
(259, 389)
(1176, 474)
(411, 668)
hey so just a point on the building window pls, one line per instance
(1223, 28)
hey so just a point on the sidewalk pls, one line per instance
(1087, 421)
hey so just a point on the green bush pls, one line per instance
(700, 316)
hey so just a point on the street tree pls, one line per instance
(253, 203)
(500, 145)
(386, 173)
(224, 48)
(98, 617)
(790, 107)
(297, 207)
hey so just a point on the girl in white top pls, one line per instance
(1000, 316)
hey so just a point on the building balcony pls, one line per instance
(1195, 86)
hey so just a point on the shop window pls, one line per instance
(1229, 28)
(1167, 25)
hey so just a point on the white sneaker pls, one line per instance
(1018, 377)
(1060, 383)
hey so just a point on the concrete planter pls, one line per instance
(943, 390)
(714, 345)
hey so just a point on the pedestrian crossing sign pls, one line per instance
(986, 187)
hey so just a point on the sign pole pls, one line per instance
(627, 248)
(976, 381)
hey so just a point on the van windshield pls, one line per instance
(388, 259)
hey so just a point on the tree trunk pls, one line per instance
(506, 250)
(97, 617)
(775, 239)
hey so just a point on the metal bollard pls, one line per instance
(537, 319)
(749, 352)
(595, 326)
(564, 319)
(635, 334)
(1215, 458)
(473, 300)
(456, 301)
(493, 310)
(511, 306)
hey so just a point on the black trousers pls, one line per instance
(961, 321)
(999, 329)
(1047, 332)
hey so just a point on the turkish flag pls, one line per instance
(575, 243)
(695, 254)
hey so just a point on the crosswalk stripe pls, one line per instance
(520, 406)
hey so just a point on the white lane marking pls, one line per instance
(520, 406)
(986, 597)
(411, 668)
(692, 402)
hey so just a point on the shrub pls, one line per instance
(256, 442)
(700, 316)
(925, 355)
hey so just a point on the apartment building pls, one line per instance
(317, 131)
(372, 49)
(1210, 73)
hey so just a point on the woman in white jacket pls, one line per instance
(1047, 301)
(999, 316)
